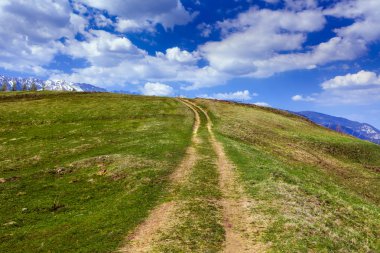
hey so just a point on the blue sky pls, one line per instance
(297, 55)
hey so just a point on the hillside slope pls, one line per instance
(104, 172)
(79, 171)
(314, 189)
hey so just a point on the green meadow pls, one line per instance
(314, 189)
(81, 171)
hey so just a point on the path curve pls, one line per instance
(147, 233)
(235, 203)
(185, 167)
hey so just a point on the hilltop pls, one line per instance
(101, 172)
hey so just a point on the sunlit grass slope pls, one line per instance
(315, 190)
(79, 172)
(82, 170)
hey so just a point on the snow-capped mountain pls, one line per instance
(52, 85)
(360, 130)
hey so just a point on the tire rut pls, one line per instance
(237, 221)
(147, 233)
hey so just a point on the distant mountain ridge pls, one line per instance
(363, 131)
(51, 85)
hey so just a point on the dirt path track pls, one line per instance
(235, 205)
(147, 233)
(237, 219)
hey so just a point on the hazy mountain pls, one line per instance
(360, 130)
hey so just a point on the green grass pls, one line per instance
(83, 170)
(312, 187)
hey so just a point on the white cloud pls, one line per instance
(135, 66)
(244, 95)
(262, 104)
(133, 13)
(364, 96)
(260, 43)
(30, 32)
(301, 4)
(157, 89)
(131, 25)
(352, 89)
(359, 88)
(104, 49)
(175, 54)
(274, 21)
(333, 50)
(202, 77)
(257, 36)
(113, 59)
(302, 98)
(360, 80)
(366, 15)
(272, 32)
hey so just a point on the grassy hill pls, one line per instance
(87, 167)
(104, 172)
(313, 188)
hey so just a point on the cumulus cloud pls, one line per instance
(132, 13)
(157, 89)
(244, 95)
(302, 98)
(335, 49)
(40, 30)
(256, 36)
(356, 89)
(175, 54)
(301, 4)
(349, 43)
(130, 25)
(262, 42)
(366, 15)
(359, 80)
(31, 35)
(115, 61)
(104, 49)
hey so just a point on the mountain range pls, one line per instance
(363, 131)
(52, 85)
